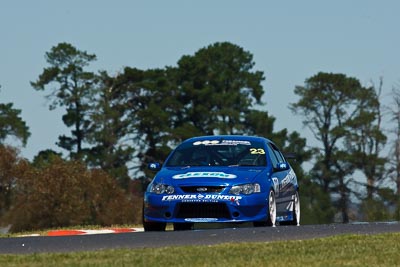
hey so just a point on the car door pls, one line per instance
(282, 174)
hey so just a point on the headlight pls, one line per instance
(245, 189)
(161, 189)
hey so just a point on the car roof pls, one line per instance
(228, 137)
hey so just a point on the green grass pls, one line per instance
(345, 250)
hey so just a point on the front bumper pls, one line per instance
(180, 208)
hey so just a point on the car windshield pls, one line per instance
(218, 153)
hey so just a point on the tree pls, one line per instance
(70, 86)
(155, 115)
(12, 166)
(208, 93)
(66, 193)
(45, 158)
(365, 139)
(259, 122)
(133, 119)
(11, 124)
(334, 107)
(395, 117)
(109, 133)
(218, 88)
(394, 112)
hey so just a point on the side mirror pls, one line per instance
(154, 166)
(282, 166)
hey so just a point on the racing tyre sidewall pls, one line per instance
(296, 209)
(152, 226)
(271, 209)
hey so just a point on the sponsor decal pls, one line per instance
(236, 142)
(289, 177)
(206, 142)
(282, 218)
(201, 219)
(204, 175)
(289, 207)
(275, 181)
(223, 142)
(201, 198)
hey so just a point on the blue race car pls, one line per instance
(222, 179)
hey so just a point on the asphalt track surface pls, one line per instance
(50, 244)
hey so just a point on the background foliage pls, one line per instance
(121, 122)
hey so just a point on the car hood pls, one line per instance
(208, 175)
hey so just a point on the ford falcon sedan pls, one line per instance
(221, 179)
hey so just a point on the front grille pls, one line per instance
(203, 210)
(202, 189)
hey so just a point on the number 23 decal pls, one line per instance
(257, 151)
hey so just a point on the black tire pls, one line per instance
(295, 212)
(183, 226)
(154, 226)
(271, 220)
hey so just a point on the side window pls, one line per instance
(276, 156)
(279, 155)
(273, 157)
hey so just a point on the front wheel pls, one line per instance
(295, 213)
(271, 220)
(154, 226)
(296, 210)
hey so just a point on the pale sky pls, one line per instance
(290, 41)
